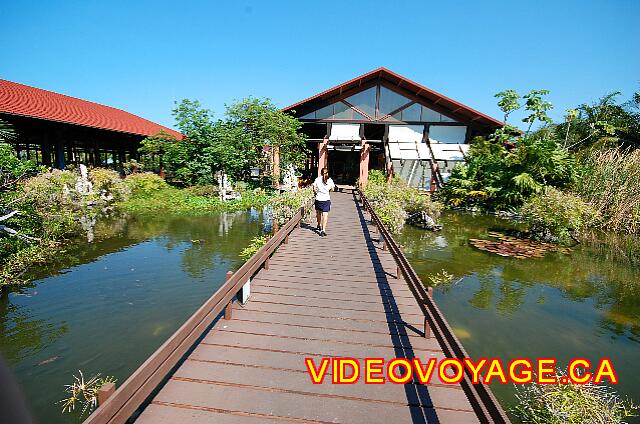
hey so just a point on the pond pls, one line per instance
(117, 298)
(582, 304)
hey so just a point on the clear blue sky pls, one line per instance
(141, 56)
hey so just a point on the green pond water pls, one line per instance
(111, 303)
(106, 306)
(582, 304)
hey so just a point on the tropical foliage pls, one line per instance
(605, 123)
(563, 176)
(503, 171)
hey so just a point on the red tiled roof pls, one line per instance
(413, 87)
(23, 100)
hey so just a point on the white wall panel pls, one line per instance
(344, 132)
(447, 133)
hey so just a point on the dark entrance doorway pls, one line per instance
(344, 166)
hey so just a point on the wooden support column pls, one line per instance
(364, 164)
(426, 329)
(105, 392)
(275, 166)
(323, 154)
(59, 152)
(229, 308)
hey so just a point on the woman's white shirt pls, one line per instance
(322, 189)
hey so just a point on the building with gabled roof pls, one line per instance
(54, 129)
(381, 120)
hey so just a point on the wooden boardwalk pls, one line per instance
(335, 296)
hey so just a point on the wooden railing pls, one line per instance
(480, 396)
(119, 405)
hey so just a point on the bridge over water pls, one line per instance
(351, 294)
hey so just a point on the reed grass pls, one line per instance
(610, 182)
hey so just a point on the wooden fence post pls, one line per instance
(266, 263)
(427, 329)
(398, 272)
(229, 308)
(105, 392)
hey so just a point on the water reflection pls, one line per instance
(18, 324)
(106, 306)
(611, 282)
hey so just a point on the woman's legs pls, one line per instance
(319, 218)
(325, 219)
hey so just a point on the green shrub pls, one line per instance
(145, 183)
(206, 190)
(396, 200)
(48, 188)
(240, 186)
(377, 177)
(109, 182)
(286, 205)
(558, 216)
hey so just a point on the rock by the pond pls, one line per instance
(423, 220)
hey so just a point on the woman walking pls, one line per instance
(321, 188)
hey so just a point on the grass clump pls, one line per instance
(610, 182)
(571, 404)
(83, 393)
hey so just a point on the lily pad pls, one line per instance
(509, 246)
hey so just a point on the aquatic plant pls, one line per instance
(440, 278)
(83, 393)
(570, 403)
(509, 246)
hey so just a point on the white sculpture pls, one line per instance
(226, 190)
(290, 180)
(83, 185)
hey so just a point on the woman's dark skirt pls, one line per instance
(323, 205)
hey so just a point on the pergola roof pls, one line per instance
(23, 100)
(404, 84)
